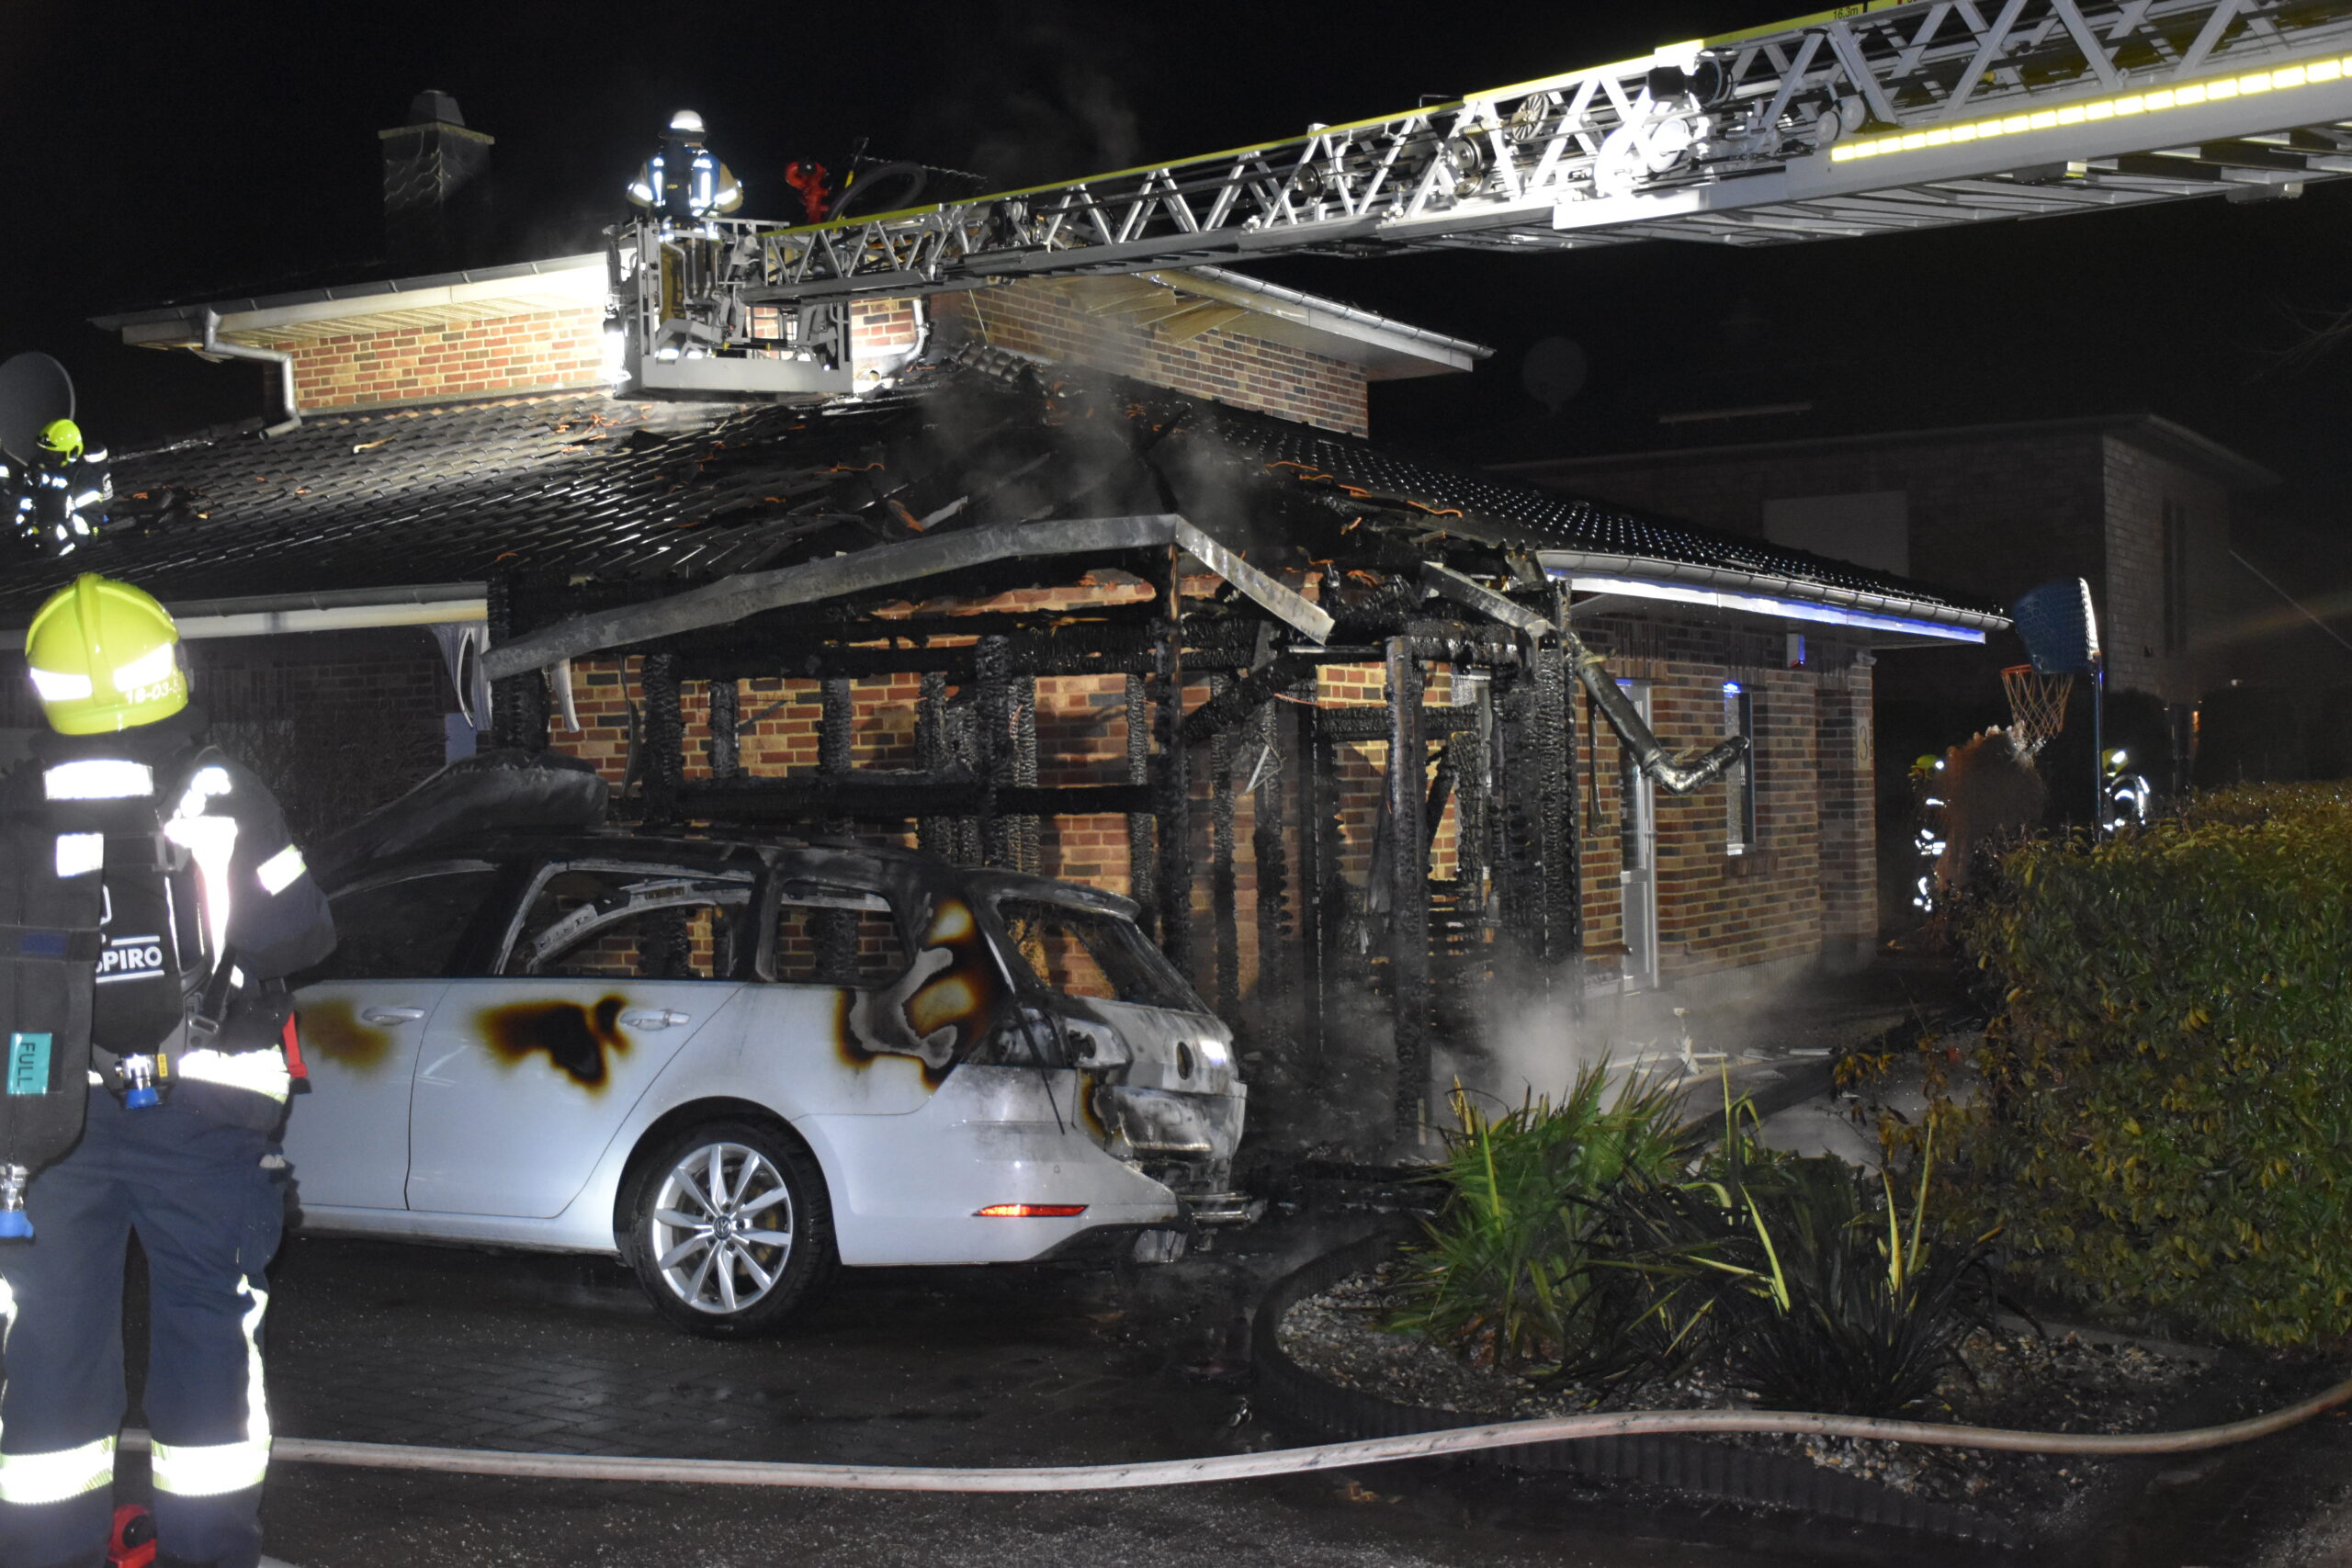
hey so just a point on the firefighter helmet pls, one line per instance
(105, 657)
(686, 123)
(64, 437)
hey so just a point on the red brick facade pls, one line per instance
(434, 363)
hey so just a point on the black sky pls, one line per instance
(172, 150)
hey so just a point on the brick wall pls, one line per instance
(499, 353)
(2140, 485)
(1048, 319)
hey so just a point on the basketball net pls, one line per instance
(2037, 705)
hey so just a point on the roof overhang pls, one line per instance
(562, 283)
(346, 610)
(1773, 598)
(1383, 349)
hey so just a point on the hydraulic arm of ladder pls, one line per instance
(1869, 119)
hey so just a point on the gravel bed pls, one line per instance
(2057, 1382)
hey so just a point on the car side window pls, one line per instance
(591, 922)
(406, 928)
(836, 936)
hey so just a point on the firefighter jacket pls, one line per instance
(56, 507)
(685, 183)
(207, 901)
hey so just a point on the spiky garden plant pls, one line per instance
(1506, 1273)
(1806, 1277)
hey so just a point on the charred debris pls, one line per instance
(987, 522)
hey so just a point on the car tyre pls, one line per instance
(729, 1229)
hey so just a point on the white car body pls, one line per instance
(506, 1108)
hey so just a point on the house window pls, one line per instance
(2175, 544)
(1740, 781)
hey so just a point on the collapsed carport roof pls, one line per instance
(405, 516)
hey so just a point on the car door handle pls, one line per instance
(391, 1015)
(661, 1018)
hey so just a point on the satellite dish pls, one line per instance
(1552, 372)
(34, 390)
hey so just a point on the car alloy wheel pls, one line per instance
(729, 1229)
(722, 1228)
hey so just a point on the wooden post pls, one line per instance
(1173, 788)
(1408, 905)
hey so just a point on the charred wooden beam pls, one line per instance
(665, 737)
(1224, 886)
(1319, 859)
(1360, 725)
(993, 674)
(1408, 901)
(1172, 790)
(888, 566)
(1269, 850)
(726, 751)
(933, 748)
(518, 704)
(873, 795)
(1139, 823)
(1238, 699)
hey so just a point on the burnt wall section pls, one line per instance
(1072, 321)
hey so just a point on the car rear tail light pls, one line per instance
(1030, 1211)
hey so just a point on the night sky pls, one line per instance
(181, 151)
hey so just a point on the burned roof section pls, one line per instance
(642, 499)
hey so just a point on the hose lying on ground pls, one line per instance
(1274, 1461)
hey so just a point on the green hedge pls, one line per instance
(2168, 1127)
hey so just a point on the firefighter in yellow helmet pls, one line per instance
(204, 907)
(57, 502)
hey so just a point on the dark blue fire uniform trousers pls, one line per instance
(208, 1217)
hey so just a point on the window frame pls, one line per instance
(547, 870)
(772, 901)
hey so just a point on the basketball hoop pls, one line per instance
(2036, 704)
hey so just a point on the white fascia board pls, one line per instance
(1385, 350)
(1753, 601)
(560, 282)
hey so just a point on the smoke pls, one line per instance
(1533, 1041)
(1038, 78)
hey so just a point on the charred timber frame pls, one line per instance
(1408, 898)
(1508, 757)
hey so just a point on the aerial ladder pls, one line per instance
(1869, 119)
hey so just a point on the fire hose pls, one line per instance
(1274, 1461)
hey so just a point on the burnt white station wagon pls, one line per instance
(735, 1064)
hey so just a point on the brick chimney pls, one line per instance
(436, 186)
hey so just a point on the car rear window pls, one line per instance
(836, 936)
(1085, 952)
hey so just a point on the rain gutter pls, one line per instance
(361, 609)
(1763, 593)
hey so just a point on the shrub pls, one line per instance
(2168, 1127)
(1505, 1275)
(1804, 1276)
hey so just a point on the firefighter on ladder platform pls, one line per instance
(684, 183)
(206, 907)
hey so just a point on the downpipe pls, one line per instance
(1277, 1461)
(1676, 777)
(214, 347)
